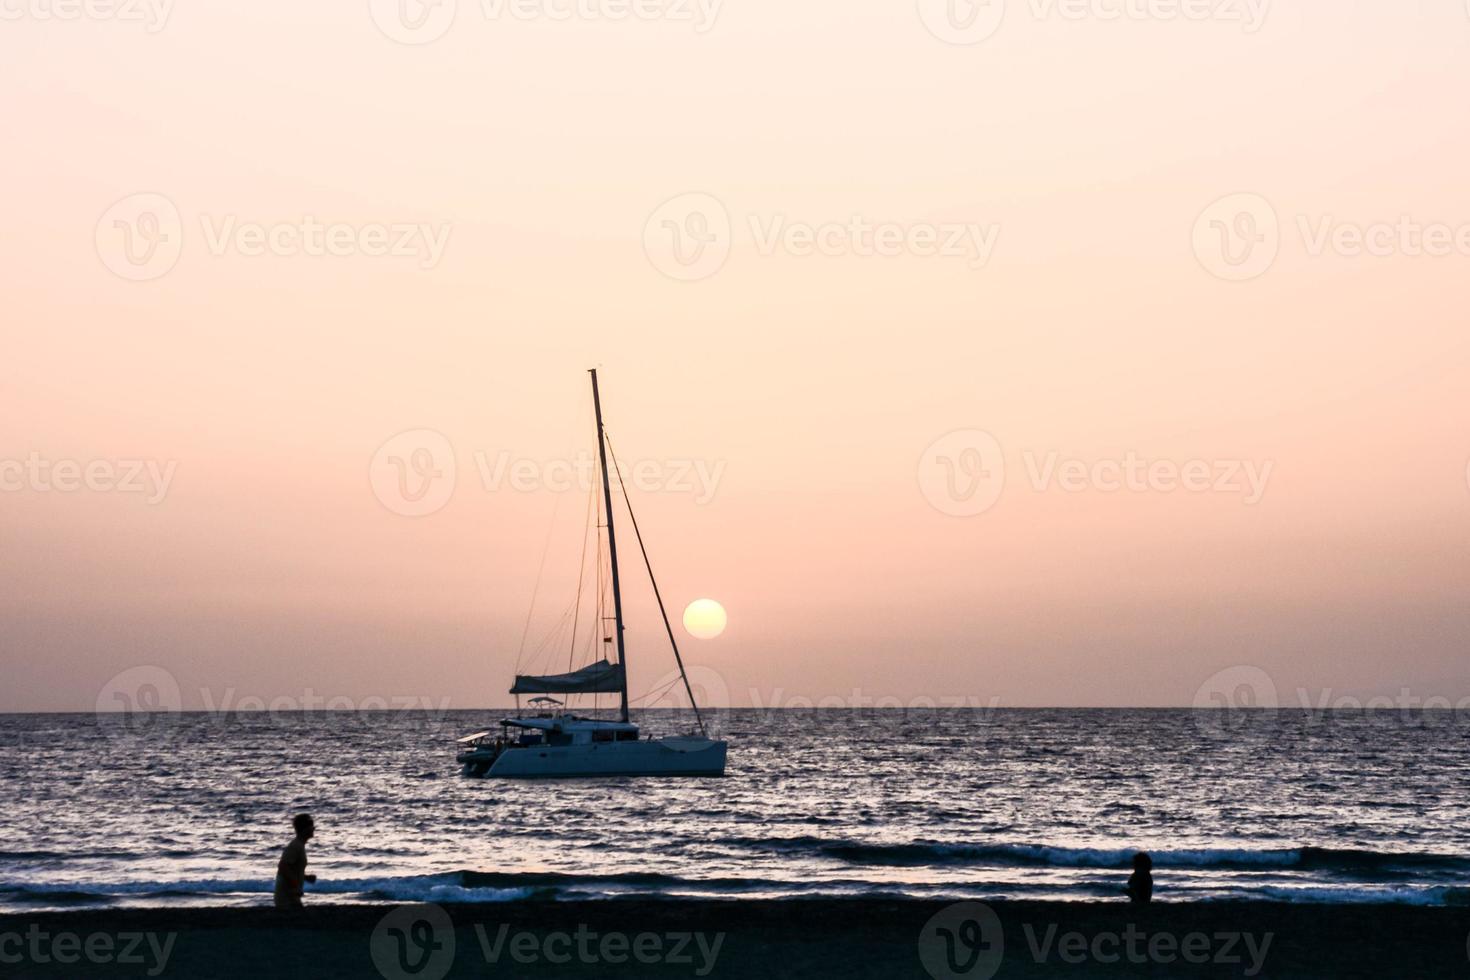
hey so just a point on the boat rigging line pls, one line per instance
(654, 582)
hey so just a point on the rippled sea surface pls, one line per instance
(194, 808)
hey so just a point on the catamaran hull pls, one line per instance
(646, 757)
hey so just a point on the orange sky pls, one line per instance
(367, 231)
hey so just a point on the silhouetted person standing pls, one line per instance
(1141, 882)
(291, 873)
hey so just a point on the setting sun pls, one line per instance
(704, 619)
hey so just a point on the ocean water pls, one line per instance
(1298, 806)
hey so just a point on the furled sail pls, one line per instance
(599, 678)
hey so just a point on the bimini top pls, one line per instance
(599, 678)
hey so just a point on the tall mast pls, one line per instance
(612, 542)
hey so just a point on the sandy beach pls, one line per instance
(850, 938)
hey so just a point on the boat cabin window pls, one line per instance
(602, 736)
(627, 736)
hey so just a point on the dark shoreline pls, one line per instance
(765, 939)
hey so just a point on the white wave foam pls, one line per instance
(1086, 857)
(419, 888)
(1326, 894)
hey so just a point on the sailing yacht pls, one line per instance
(551, 741)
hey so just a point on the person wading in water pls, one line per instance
(1141, 882)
